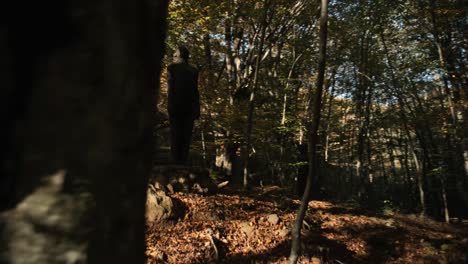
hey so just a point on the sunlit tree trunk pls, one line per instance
(286, 89)
(420, 177)
(229, 60)
(331, 98)
(405, 163)
(444, 198)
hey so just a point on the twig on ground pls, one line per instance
(210, 236)
(223, 184)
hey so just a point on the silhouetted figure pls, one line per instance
(183, 103)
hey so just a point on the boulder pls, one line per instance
(48, 225)
(183, 179)
(161, 208)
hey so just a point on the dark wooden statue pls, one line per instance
(183, 104)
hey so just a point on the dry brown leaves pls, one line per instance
(216, 229)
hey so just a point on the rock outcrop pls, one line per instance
(183, 179)
(161, 208)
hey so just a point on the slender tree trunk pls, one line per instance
(248, 133)
(363, 94)
(421, 170)
(207, 120)
(229, 61)
(409, 181)
(384, 170)
(285, 99)
(456, 134)
(330, 104)
(392, 159)
(313, 137)
(209, 61)
(203, 148)
(444, 199)
(420, 176)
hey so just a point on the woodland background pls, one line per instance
(393, 131)
(80, 84)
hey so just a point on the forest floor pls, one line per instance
(253, 227)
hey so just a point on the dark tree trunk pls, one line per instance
(82, 81)
(313, 137)
(251, 108)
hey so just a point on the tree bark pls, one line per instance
(457, 135)
(285, 97)
(250, 114)
(329, 112)
(313, 137)
(86, 76)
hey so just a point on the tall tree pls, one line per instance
(315, 106)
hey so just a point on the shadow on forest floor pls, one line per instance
(238, 223)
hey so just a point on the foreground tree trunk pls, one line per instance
(81, 83)
(313, 137)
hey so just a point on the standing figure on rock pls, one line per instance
(183, 103)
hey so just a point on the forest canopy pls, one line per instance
(393, 129)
